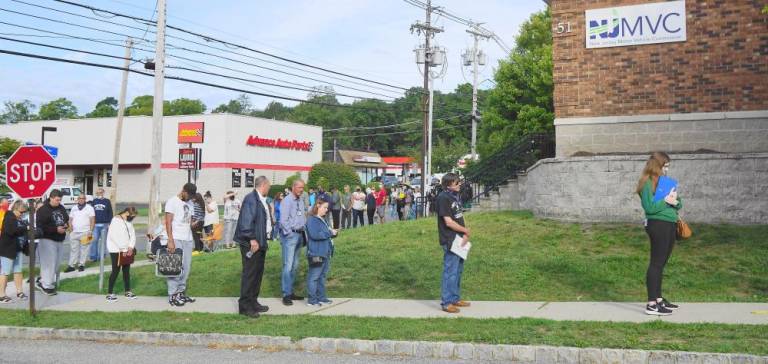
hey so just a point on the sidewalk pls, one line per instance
(724, 313)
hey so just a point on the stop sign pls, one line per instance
(30, 171)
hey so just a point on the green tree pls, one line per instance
(104, 109)
(15, 112)
(522, 101)
(60, 108)
(289, 181)
(274, 110)
(445, 155)
(184, 106)
(331, 175)
(241, 106)
(141, 105)
(7, 147)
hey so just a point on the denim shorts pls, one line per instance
(6, 265)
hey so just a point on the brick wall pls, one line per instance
(723, 65)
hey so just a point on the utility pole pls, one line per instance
(335, 150)
(426, 55)
(157, 117)
(116, 154)
(476, 59)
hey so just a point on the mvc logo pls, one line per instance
(626, 27)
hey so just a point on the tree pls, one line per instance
(329, 175)
(274, 110)
(143, 105)
(7, 147)
(445, 155)
(241, 106)
(522, 102)
(104, 108)
(60, 108)
(184, 106)
(17, 112)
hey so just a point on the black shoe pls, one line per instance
(261, 308)
(250, 314)
(287, 301)
(176, 300)
(296, 298)
(186, 298)
(658, 310)
(69, 269)
(46, 291)
(81, 268)
(668, 304)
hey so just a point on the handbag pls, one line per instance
(124, 259)
(683, 229)
(169, 265)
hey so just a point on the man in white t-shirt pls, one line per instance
(82, 218)
(178, 216)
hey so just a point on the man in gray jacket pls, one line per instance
(254, 226)
(293, 217)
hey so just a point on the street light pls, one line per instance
(42, 133)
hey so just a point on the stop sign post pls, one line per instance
(30, 172)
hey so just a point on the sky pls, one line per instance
(365, 38)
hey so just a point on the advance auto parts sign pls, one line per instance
(191, 132)
(278, 143)
(634, 25)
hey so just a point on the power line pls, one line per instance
(98, 65)
(351, 128)
(68, 49)
(203, 52)
(392, 133)
(212, 39)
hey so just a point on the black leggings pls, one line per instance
(662, 235)
(115, 269)
(371, 212)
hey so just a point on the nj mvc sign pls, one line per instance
(660, 22)
(30, 171)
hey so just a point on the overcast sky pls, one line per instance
(367, 38)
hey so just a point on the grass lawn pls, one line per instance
(515, 257)
(750, 339)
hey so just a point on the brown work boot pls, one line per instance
(451, 309)
(462, 303)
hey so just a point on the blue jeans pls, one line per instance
(291, 251)
(99, 231)
(453, 266)
(9, 266)
(316, 282)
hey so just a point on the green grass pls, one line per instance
(751, 339)
(515, 257)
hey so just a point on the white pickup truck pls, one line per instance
(69, 195)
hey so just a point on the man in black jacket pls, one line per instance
(254, 227)
(53, 219)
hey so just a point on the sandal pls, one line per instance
(5, 299)
(22, 296)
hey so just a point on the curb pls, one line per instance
(416, 349)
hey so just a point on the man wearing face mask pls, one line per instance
(82, 219)
(52, 218)
(178, 216)
(231, 212)
(103, 208)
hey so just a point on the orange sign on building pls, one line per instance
(191, 132)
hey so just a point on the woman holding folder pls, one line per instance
(660, 225)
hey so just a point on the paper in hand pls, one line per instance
(461, 251)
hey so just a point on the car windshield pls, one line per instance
(76, 192)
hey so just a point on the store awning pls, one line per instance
(362, 159)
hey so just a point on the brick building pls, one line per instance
(686, 77)
(709, 91)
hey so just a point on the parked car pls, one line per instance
(388, 180)
(69, 195)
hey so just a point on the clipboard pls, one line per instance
(663, 188)
(457, 249)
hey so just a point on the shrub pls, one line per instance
(332, 175)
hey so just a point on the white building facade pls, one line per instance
(235, 150)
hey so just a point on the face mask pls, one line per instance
(80, 206)
(232, 198)
(130, 218)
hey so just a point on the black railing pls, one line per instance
(495, 170)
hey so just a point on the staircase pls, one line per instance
(497, 179)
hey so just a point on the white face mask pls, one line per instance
(665, 169)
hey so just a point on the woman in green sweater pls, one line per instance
(661, 223)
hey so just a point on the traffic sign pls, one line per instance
(30, 171)
(54, 151)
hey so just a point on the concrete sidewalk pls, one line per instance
(724, 313)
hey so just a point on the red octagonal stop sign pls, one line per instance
(30, 171)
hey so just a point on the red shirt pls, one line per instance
(381, 196)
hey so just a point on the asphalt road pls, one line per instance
(82, 352)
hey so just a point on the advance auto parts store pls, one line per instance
(235, 150)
